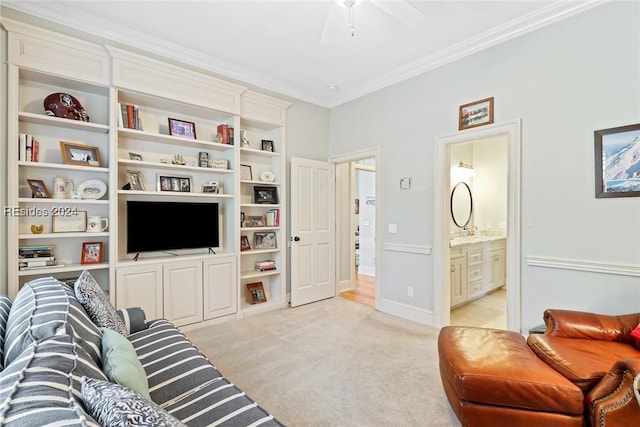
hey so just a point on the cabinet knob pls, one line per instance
(452, 269)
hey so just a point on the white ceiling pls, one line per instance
(277, 45)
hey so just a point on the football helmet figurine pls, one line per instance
(64, 105)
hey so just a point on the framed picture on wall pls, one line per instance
(617, 168)
(476, 113)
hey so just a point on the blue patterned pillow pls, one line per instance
(43, 385)
(97, 305)
(117, 406)
(5, 308)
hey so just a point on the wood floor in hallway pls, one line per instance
(364, 292)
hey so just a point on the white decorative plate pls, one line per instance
(92, 189)
(267, 176)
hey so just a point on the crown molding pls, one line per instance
(67, 16)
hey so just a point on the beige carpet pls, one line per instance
(332, 363)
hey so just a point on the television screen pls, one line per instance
(161, 226)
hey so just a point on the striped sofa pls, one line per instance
(50, 350)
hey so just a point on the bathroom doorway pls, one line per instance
(442, 212)
(478, 173)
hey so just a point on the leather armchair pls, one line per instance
(597, 353)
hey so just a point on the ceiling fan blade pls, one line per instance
(401, 10)
(336, 20)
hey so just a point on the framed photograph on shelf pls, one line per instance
(69, 223)
(39, 189)
(476, 113)
(182, 128)
(211, 187)
(267, 145)
(245, 173)
(135, 180)
(92, 252)
(266, 240)
(79, 154)
(244, 243)
(265, 195)
(616, 168)
(255, 293)
(135, 156)
(180, 184)
(255, 221)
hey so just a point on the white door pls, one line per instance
(312, 231)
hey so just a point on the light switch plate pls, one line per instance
(405, 183)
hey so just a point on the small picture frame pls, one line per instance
(265, 195)
(244, 243)
(135, 156)
(476, 113)
(203, 159)
(264, 240)
(255, 293)
(182, 128)
(211, 187)
(39, 189)
(267, 145)
(180, 184)
(220, 164)
(135, 180)
(255, 221)
(92, 252)
(245, 173)
(79, 154)
(69, 223)
(614, 163)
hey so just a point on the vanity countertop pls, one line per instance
(470, 240)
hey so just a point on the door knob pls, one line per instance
(296, 239)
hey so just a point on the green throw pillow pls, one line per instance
(120, 363)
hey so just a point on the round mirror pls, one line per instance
(461, 204)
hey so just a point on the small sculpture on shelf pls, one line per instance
(245, 139)
(178, 160)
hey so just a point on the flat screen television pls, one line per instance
(163, 226)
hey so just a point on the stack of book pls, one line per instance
(129, 117)
(226, 132)
(273, 218)
(29, 148)
(265, 265)
(36, 257)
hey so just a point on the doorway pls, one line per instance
(442, 261)
(358, 206)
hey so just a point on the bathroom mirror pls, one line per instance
(461, 204)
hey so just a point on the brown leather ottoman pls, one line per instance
(492, 378)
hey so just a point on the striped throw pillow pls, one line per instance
(5, 308)
(46, 307)
(42, 386)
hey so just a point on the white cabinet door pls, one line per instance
(497, 274)
(458, 281)
(219, 286)
(140, 286)
(183, 292)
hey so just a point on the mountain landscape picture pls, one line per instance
(621, 161)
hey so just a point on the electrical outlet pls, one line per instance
(410, 292)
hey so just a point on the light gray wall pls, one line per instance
(564, 81)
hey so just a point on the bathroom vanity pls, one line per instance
(477, 267)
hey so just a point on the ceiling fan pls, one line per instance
(341, 15)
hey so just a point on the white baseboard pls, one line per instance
(405, 311)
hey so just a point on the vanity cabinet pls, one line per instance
(476, 270)
(458, 271)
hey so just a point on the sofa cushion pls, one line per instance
(120, 363)
(116, 406)
(216, 401)
(5, 308)
(97, 304)
(43, 308)
(582, 361)
(174, 366)
(42, 385)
